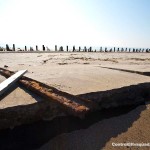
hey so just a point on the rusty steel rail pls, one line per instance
(73, 105)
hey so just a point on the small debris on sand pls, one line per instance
(5, 66)
(62, 63)
(39, 56)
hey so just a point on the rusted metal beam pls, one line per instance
(73, 105)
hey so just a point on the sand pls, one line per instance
(132, 127)
(81, 73)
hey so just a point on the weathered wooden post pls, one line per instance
(13, 47)
(133, 49)
(105, 49)
(73, 48)
(25, 48)
(61, 48)
(118, 50)
(55, 47)
(114, 49)
(43, 47)
(85, 49)
(90, 49)
(79, 48)
(126, 49)
(7, 47)
(67, 48)
(129, 49)
(36, 48)
(31, 49)
(147, 50)
(101, 49)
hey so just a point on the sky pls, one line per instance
(119, 23)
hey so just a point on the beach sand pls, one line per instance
(83, 73)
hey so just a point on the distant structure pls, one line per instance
(7, 47)
(13, 47)
(61, 49)
(67, 48)
(43, 47)
(25, 48)
(36, 48)
(74, 49)
(79, 48)
(55, 47)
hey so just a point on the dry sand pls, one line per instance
(132, 127)
(81, 73)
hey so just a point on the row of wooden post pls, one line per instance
(84, 50)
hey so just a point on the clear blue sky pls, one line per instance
(120, 23)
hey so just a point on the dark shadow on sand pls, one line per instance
(34, 135)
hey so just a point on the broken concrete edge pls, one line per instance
(5, 85)
(26, 114)
(73, 105)
(128, 95)
(125, 96)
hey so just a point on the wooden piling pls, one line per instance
(73, 48)
(7, 47)
(79, 48)
(43, 47)
(101, 49)
(85, 49)
(25, 48)
(36, 48)
(61, 49)
(55, 47)
(67, 48)
(90, 49)
(13, 47)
